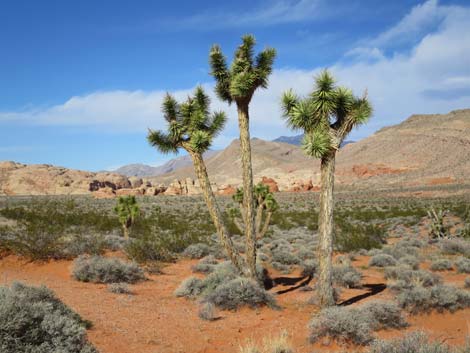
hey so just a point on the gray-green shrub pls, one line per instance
(441, 265)
(100, 269)
(34, 320)
(382, 260)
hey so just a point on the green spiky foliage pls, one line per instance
(326, 116)
(437, 228)
(190, 125)
(265, 205)
(238, 83)
(247, 73)
(127, 210)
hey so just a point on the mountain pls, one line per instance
(422, 150)
(297, 140)
(143, 170)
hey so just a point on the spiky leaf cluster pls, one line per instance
(262, 197)
(127, 209)
(326, 116)
(246, 73)
(190, 124)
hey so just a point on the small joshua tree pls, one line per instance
(326, 117)
(238, 84)
(192, 128)
(437, 226)
(127, 210)
(265, 205)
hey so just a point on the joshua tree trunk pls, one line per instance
(201, 172)
(245, 147)
(325, 230)
(125, 231)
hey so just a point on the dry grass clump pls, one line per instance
(276, 344)
(119, 288)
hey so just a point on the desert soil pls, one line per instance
(154, 320)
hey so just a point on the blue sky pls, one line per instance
(81, 81)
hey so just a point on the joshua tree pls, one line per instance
(127, 210)
(326, 116)
(193, 128)
(265, 205)
(238, 84)
(437, 227)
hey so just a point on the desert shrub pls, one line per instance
(284, 269)
(191, 287)
(401, 249)
(383, 314)
(100, 269)
(35, 240)
(410, 260)
(309, 268)
(455, 247)
(33, 320)
(358, 240)
(346, 276)
(119, 288)
(197, 251)
(382, 260)
(240, 292)
(415, 342)
(441, 265)
(284, 257)
(355, 325)
(205, 265)
(441, 297)
(207, 312)
(467, 282)
(78, 244)
(147, 248)
(407, 278)
(262, 256)
(463, 265)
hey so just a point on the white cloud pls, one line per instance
(274, 12)
(433, 77)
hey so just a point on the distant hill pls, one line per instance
(143, 170)
(297, 140)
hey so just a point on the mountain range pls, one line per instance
(422, 150)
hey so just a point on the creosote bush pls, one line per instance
(33, 320)
(355, 325)
(100, 269)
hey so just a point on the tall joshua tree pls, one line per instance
(326, 116)
(192, 127)
(238, 84)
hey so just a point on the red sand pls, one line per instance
(153, 320)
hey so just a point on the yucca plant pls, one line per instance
(238, 83)
(326, 117)
(265, 205)
(437, 227)
(127, 209)
(192, 127)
